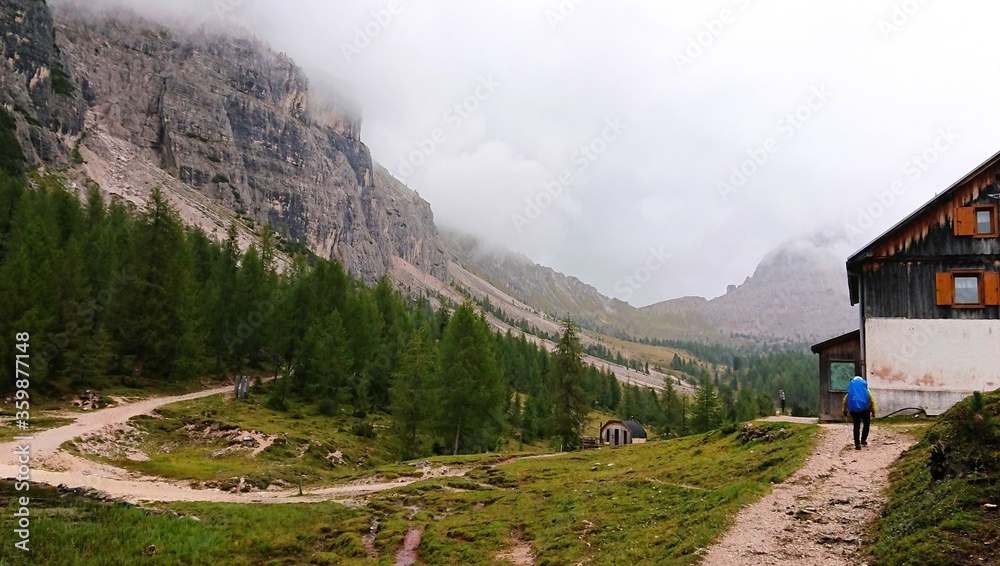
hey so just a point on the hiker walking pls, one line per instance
(781, 395)
(860, 402)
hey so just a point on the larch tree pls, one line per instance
(570, 404)
(468, 386)
(409, 404)
(160, 317)
(706, 413)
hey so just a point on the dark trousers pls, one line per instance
(861, 417)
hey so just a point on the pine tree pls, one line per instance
(95, 360)
(727, 402)
(746, 405)
(223, 313)
(364, 324)
(469, 386)
(706, 413)
(394, 323)
(157, 319)
(410, 404)
(253, 294)
(570, 405)
(324, 369)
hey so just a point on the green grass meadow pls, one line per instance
(654, 503)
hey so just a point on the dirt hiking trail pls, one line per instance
(51, 465)
(817, 516)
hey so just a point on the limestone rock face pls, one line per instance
(36, 83)
(225, 116)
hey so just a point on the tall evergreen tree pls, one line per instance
(570, 404)
(158, 318)
(469, 386)
(324, 368)
(410, 403)
(706, 413)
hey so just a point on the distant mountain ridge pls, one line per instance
(797, 295)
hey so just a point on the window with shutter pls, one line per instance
(979, 221)
(968, 288)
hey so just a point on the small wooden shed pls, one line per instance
(839, 362)
(618, 433)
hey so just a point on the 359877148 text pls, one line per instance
(22, 449)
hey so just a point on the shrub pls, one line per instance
(61, 83)
(363, 429)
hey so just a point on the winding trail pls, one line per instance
(818, 515)
(51, 465)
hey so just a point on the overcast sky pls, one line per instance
(599, 137)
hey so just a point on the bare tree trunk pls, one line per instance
(458, 430)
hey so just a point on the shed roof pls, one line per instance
(635, 428)
(852, 336)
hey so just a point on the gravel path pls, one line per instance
(817, 516)
(53, 466)
(45, 444)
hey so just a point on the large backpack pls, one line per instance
(857, 396)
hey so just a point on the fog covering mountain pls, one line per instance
(797, 295)
(232, 131)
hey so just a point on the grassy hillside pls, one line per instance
(945, 492)
(655, 503)
(207, 441)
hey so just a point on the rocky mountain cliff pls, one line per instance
(232, 131)
(219, 121)
(797, 295)
(541, 287)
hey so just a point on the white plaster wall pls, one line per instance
(930, 363)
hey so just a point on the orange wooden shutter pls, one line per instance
(945, 289)
(991, 281)
(965, 221)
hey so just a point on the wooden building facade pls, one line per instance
(929, 295)
(839, 362)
